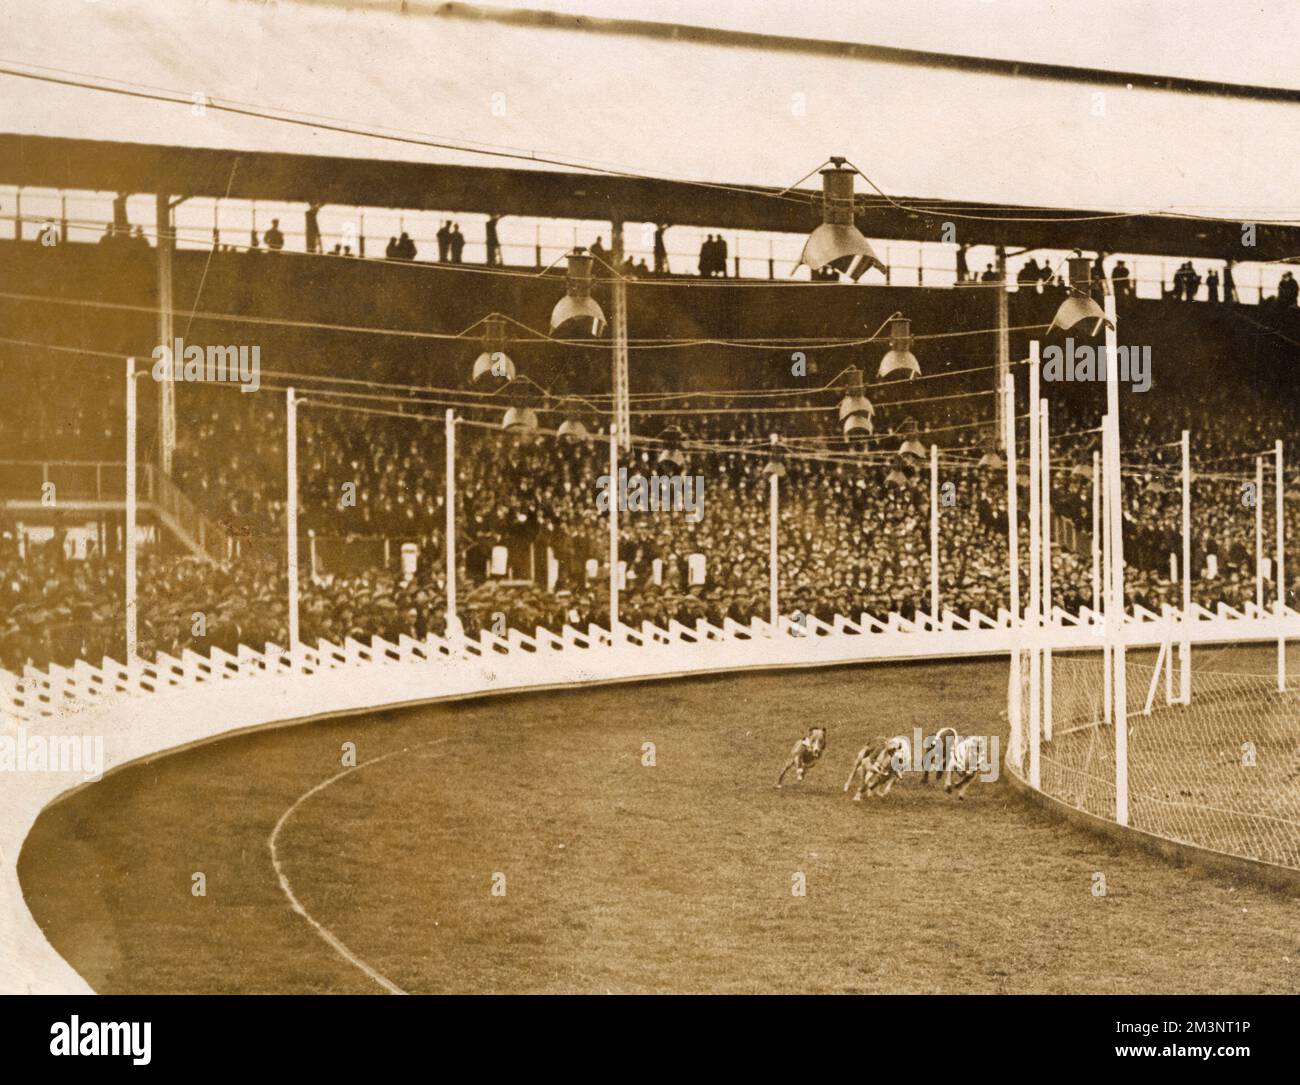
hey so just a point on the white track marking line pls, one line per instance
(329, 937)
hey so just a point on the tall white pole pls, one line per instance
(1281, 566)
(1259, 532)
(934, 536)
(613, 533)
(1115, 609)
(453, 622)
(773, 575)
(1035, 571)
(1045, 461)
(1185, 646)
(131, 601)
(1108, 669)
(1096, 534)
(291, 518)
(1015, 708)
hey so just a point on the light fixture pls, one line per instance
(520, 420)
(910, 446)
(578, 307)
(1080, 307)
(899, 358)
(494, 361)
(1081, 470)
(838, 243)
(573, 429)
(857, 414)
(990, 459)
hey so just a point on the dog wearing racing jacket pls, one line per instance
(806, 753)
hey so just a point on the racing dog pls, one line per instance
(806, 753)
(964, 757)
(936, 751)
(879, 764)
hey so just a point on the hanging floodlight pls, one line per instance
(858, 427)
(1081, 470)
(494, 360)
(1080, 307)
(856, 411)
(520, 420)
(910, 446)
(990, 459)
(578, 307)
(838, 243)
(899, 358)
(573, 429)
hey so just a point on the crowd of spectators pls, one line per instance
(853, 532)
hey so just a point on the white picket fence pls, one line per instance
(145, 708)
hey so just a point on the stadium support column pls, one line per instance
(291, 518)
(1280, 572)
(1108, 672)
(453, 622)
(1015, 718)
(1045, 462)
(934, 537)
(130, 502)
(1004, 344)
(1115, 605)
(613, 534)
(1035, 572)
(1185, 645)
(166, 388)
(622, 411)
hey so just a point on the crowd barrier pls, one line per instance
(144, 709)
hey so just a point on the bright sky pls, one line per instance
(1239, 41)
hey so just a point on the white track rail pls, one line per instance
(145, 709)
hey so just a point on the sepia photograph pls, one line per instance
(675, 497)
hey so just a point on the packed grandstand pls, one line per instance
(854, 518)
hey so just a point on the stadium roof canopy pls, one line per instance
(450, 107)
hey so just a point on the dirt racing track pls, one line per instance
(622, 839)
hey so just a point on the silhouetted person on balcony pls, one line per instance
(989, 275)
(1288, 291)
(1192, 282)
(661, 250)
(706, 256)
(390, 250)
(444, 242)
(1120, 280)
(598, 254)
(405, 247)
(1027, 278)
(963, 269)
(456, 241)
(1212, 285)
(721, 251)
(120, 224)
(313, 229)
(1229, 284)
(274, 238)
(493, 242)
